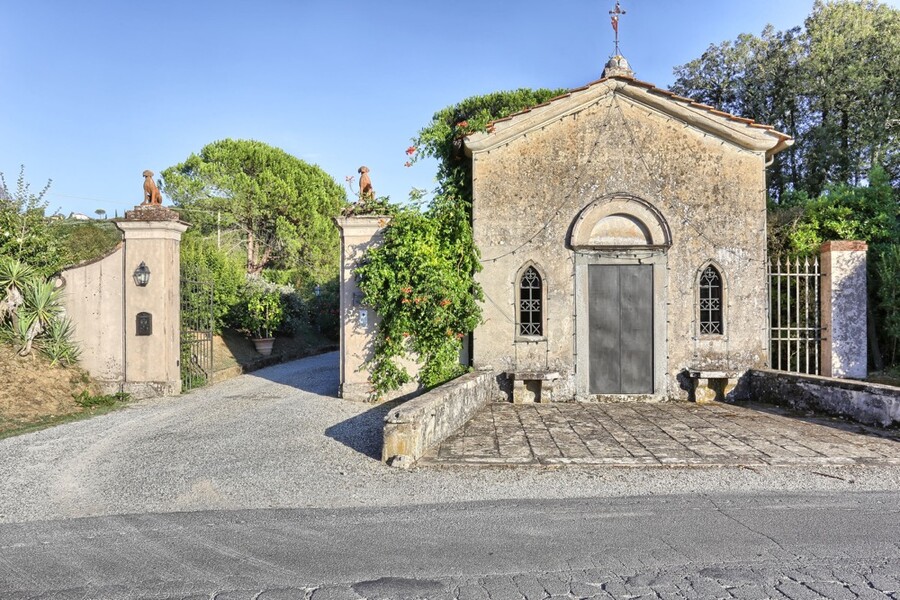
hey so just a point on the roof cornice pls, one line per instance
(744, 133)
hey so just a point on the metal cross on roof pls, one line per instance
(614, 17)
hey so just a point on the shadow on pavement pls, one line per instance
(817, 418)
(317, 374)
(364, 432)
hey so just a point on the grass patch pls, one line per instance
(90, 406)
(87, 400)
(890, 376)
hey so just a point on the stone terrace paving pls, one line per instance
(664, 434)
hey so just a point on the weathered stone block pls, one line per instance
(418, 424)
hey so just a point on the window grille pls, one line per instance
(711, 302)
(530, 303)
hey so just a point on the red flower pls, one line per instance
(445, 302)
(411, 150)
(407, 164)
(462, 124)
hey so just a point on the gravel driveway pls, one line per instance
(280, 438)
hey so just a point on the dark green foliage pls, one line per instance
(262, 309)
(81, 241)
(373, 206)
(420, 280)
(843, 212)
(201, 260)
(832, 85)
(442, 138)
(277, 207)
(25, 233)
(424, 296)
(57, 345)
(887, 273)
(325, 309)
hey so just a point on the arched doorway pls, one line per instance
(620, 245)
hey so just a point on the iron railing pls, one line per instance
(197, 323)
(795, 329)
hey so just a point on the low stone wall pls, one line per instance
(868, 403)
(417, 425)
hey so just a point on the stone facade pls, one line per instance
(621, 174)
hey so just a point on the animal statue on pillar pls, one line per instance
(151, 192)
(366, 192)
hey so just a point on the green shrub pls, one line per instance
(887, 273)
(202, 260)
(87, 400)
(262, 312)
(25, 230)
(81, 241)
(56, 343)
(31, 314)
(325, 311)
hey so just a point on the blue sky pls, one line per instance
(95, 92)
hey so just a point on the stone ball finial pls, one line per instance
(618, 67)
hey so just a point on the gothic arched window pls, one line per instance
(531, 308)
(711, 319)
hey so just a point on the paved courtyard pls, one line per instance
(671, 433)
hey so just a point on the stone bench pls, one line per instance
(710, 385)
(533, 386)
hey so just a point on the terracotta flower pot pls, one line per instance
(264, 345)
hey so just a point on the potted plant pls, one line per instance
(262, 318)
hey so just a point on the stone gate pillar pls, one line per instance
(152, 312)
(844, 304)
(358, 321)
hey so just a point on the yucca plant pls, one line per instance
(56, 342)
(41, 306)
(14, 276)
(14, 332)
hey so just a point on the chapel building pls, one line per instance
(622, 231)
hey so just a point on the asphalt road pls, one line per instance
(842, 545)
(268, 487)
(280, 438)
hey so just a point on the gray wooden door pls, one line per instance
(621, 329)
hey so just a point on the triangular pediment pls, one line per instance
(744, 133)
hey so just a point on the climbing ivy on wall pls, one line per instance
(420, 280)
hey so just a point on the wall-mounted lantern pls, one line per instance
(142, 275)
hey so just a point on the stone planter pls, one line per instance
(264, 345)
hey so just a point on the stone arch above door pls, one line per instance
(620, 221)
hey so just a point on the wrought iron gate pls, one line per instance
(795, 329)
(196, 333)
